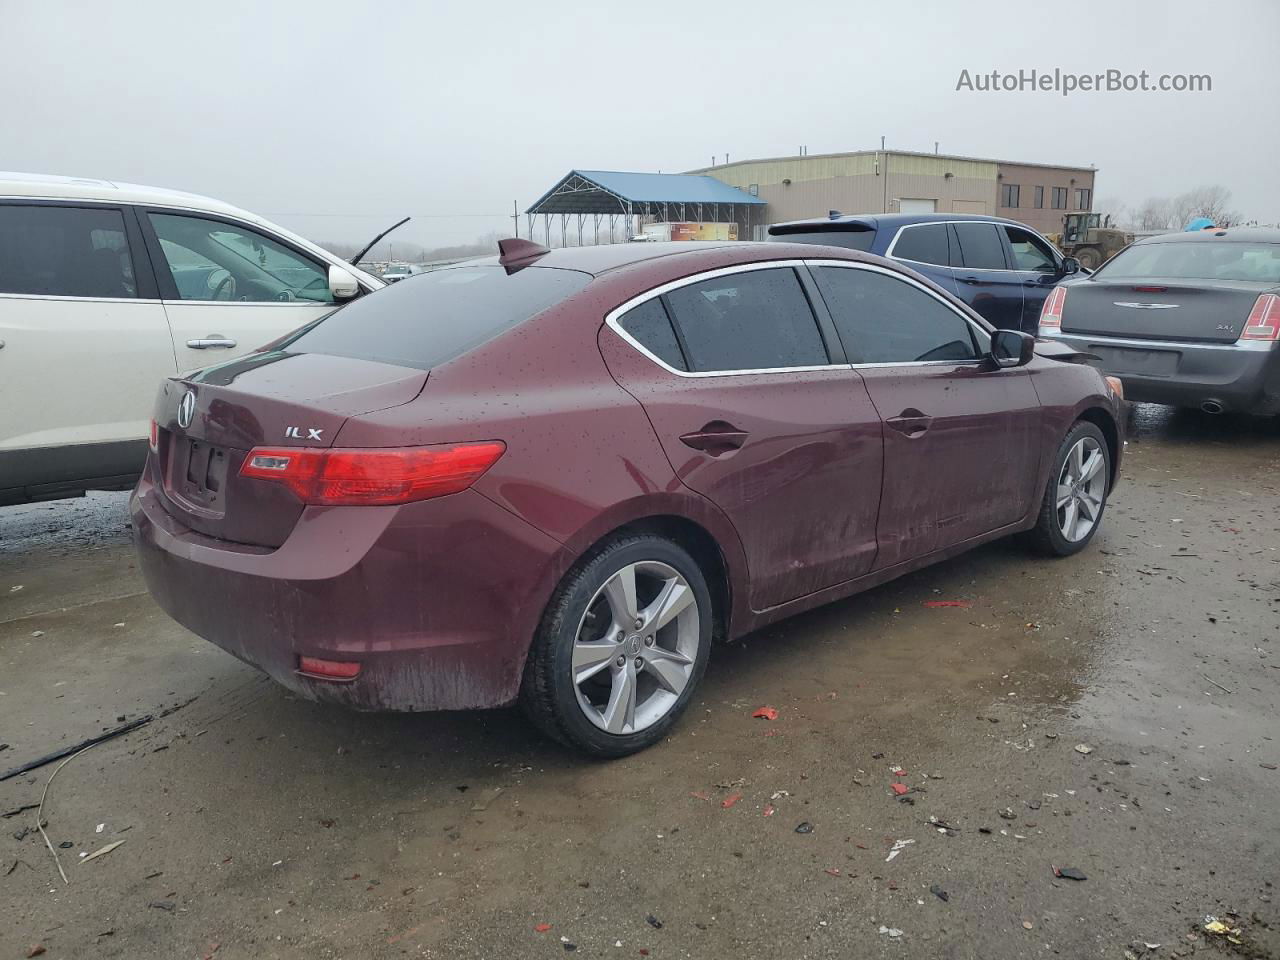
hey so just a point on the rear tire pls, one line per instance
(1075, 497)
(621, 648)
(1089, 257)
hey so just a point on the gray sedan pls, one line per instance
(1188, 319)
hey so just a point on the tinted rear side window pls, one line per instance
(747, 321)
(926, 243)
(428, 319)
(849, 239)
(651, 327)
(64, 252)
(882, 319)
(980, 247)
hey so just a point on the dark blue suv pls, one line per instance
(1001, 268)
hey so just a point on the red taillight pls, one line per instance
(1051, 312)
(329, 669)
(153, 441)
(1264, 319)
(373, 476)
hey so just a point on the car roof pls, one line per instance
(47, 187)
(1225, 234)
(878, 220)
(602, 258)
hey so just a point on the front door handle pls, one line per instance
(715, 439)
(911, 422)
(213, 340)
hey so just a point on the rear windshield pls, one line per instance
(857, 239)
(438, 317)
(1197, 260)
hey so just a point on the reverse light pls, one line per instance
(1051, 312)
(329, 669)
(1264, 319)
(373, 476)
(1116, 385)
(153, 441)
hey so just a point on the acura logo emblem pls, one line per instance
(186, 409)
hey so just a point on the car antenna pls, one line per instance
(514, 250)
(359, 256)
(834, 214)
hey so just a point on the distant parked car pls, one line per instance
(1188, 319)
(1001, 268)
(399, 271)
(556, 476)
(106, 289)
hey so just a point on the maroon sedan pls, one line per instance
(556, 477)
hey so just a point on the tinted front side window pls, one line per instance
(924, 244)
(64, 252)
(1029, 251)
(651, 327)
(747, 321)
(849, 239)
(980, 247)
(882, 319)
(212, 260)
(438, 317)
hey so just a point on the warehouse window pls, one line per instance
(1009, 194)
(1082, 199)
(1059, 198)
(754, 189)
(1039, 198)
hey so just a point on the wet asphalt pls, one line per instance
(259, 825)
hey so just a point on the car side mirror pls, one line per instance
(1070, 265)
(1012, 348)
(342, 284)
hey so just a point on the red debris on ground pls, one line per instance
(768, 809)
(832, 871)
(541, 928)
(765, 713)
(730, 800)
(899, 788)
(36, 950)
(964, 604)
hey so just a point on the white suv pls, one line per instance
(108, 288)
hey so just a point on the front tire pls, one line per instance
(1076, 494)
(1089, 257)
(621, 648)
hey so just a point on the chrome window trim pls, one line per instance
(614, 317)
(995, 223)
(64, 296)
(613, 320)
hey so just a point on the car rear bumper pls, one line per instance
(1241, 377)
(437, 600)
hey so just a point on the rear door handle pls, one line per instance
(910, 422)
(213, 340)
(969, 279)
(716, 438)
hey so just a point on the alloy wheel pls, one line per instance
(635, 647)
(1082, 487)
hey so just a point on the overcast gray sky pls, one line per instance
(336, 118)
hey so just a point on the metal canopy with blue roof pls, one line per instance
(652, 197)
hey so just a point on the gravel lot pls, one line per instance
(259, 825)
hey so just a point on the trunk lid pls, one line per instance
(1203, 311)
(274, 399)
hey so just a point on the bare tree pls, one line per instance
(1154, 213)
(1211, 201)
